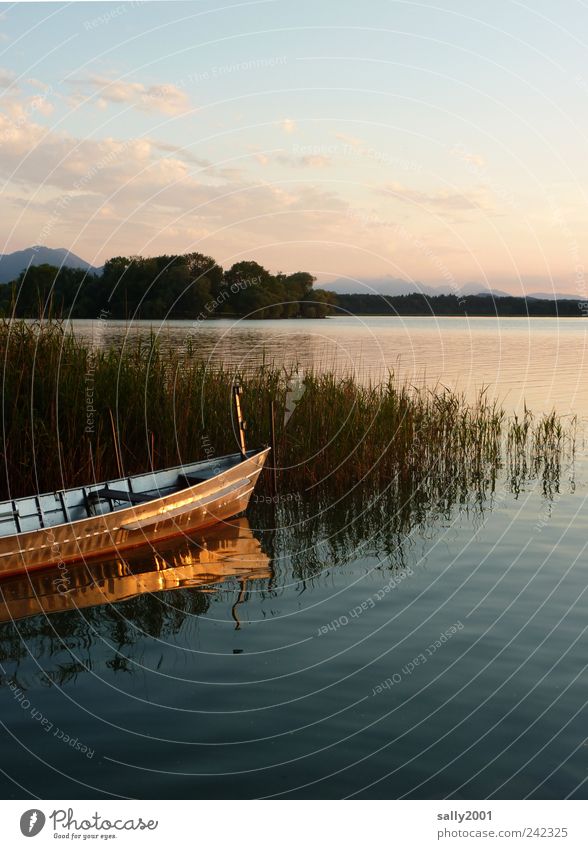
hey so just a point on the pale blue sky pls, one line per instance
(439, 141)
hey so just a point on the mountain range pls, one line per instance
(394, 287)
(12, 264)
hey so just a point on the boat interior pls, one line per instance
(22, 515)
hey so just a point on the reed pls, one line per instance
(71, 414)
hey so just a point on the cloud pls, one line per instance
(293, 161)
(20, 106)
(182, 153)
(315, 161)
(163, 97)
(444, 200)
(41, 105)
(474, 159)
(6, 78)
(166, 98)
(288, 125)
(35, 83)
(65, 184)
(34, 156)
(16, 112)
(350, 140)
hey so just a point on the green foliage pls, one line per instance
(159, 287)
(46, 290)
(187, 286)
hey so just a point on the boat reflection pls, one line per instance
(227, 550)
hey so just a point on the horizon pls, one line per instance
(383, 287)
(360, 144)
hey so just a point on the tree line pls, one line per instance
(186, 286)
(193, 286)
(452, 305)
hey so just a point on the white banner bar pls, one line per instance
(296, 824)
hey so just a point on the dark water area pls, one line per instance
(316, 649)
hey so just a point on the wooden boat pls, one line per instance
(73, 524)
(224, 552)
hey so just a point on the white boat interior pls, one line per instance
(22, 515)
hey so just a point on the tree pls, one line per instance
(32, 289)
(318, 304)
(165, 286)
(247, 285)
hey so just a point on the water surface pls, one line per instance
(321, 651)
(540, 361)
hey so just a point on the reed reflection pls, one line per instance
(318, 529)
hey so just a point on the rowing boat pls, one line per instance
(60, 527)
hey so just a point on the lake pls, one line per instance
(327, 646)
(327, 653)
(540, 361)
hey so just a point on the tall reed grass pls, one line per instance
(72, 414)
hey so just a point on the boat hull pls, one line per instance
(192, 508)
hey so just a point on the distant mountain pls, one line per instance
(381, 286)
(481, 289)
(12, 264)
(393, 286)
(554, 296)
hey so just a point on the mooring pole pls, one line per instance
(241, 424)
(116, 445)
(274, 459)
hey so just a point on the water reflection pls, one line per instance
(289, 545)
(229, 550)
(291, 538)
(308, 532)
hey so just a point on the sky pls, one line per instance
(442, 142)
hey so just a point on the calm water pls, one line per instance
(542, 361)
(435, 648)
(316, 652)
